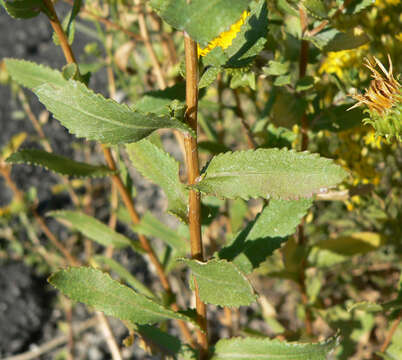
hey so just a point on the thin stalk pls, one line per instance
(109, 337)
(252, 144)
(193, 172)
(54, 21)
(160, 78)
(391, 333)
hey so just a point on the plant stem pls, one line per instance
(193, 172)
(147, 42)
(54, 21)
(391, 332)
(302, 241)
(252, 144)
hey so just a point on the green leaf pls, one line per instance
(23, 9)
(202, 20)
(246, 45)
(100, 291)
(255, 348)
(304, 83)
(237, 212)
(269, 173)
(221, 283)
(365, 306)
(276, 68)
(85, 113)
(90, 115)
(94, 229)
(209, 76)
(125, 275)
(151, 226)
(157, 102)
(335, 40)
(58, 164)
(166, 343)
(251, 39)
(30, 74)
(263, 236)
(353, 244)
(159, 167)
(316, 8)
(68, 26)
(357, 6)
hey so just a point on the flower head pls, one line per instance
(383, 99)
(224, 40)
(384, 91)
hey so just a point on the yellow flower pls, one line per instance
(224, 40)
(383, 3)
(399, 37)
(338, 61)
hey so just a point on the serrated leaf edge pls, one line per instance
(88, 268)
(228, 153)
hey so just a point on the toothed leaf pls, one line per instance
(23, 9)
(90, 115)
(100, 291)
(269, 173)
(221, 283)
(159, 167)
(202, 20)
(58, 164)
(30, 74)
(255, 348)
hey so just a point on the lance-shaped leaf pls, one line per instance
(23, 9)
(58, 164)
(85, 113)
(100, 291)
(125, 275)
(159, 167)
(269, 173)
(267, 233)
(91, 116)
(30, 74)
(266, 349)
(202, 20)
(94, 229)
(221, 283)
(151, 226)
